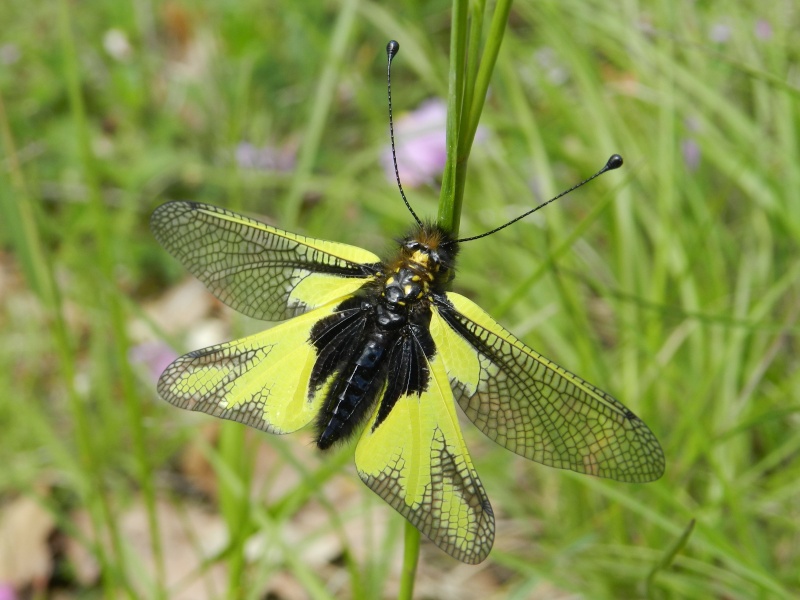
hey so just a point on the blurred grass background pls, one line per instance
(672, 283)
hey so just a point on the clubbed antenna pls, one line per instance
(614, 162)
(392, 48)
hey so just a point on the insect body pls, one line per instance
(382, 346)
(384, 329)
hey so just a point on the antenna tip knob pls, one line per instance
(614, 162)
(392, 48)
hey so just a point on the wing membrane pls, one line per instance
(416, 460)
(261, 380)
(535, 408)
(258, 270)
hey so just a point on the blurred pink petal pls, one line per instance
(7, 592)
(420, 140)
(691, 153)
(720, 33)
(763, 30)
(265, 158)
(154, 356)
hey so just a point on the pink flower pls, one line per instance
(265, 158)
(7, 592)
(420, 141)
(691, 153)
(420, 138)
(154, 356)
(690, 149)
(763, 30)
(720, 33)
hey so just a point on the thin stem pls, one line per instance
(472, 63)
(234, 502)
(449, 213)
(488, 60)
(470, 72)
(410, 558)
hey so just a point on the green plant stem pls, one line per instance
(669, 555)
(448, 215)
(410, 558)
(471, 70)
(473, 61)
(468, 81)
(488, 60)
(472, 112)
(234, 500)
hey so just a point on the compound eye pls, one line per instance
(413, 245)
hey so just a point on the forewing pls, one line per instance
(258, 270)
(261, 380)
(416, 460)
(535, 408)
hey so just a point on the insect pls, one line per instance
(383, 347)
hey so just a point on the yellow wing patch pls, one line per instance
(261, 380)
(416, 460)
(317, 289)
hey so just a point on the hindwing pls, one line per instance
(263, 380)
(261, 271)
(414, 457)
(535, 408)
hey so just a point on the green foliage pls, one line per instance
(672, 283)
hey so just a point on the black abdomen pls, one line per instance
(355, 389)
(376, 344)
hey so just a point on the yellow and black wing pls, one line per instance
(261, 271)
(535, 408)
(415, 458)
(263, 380)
